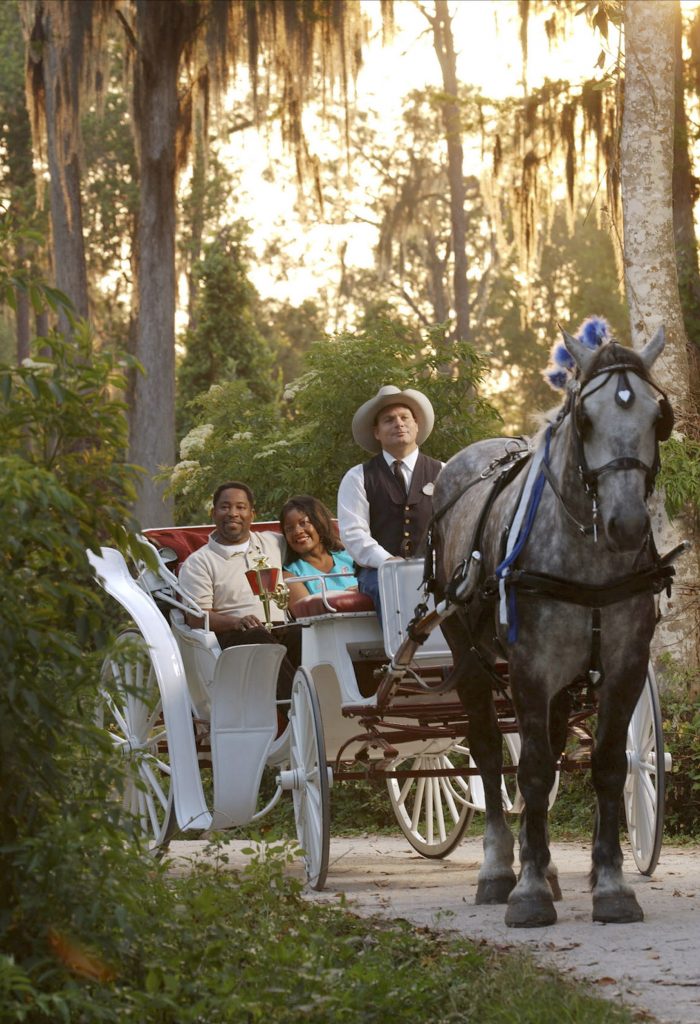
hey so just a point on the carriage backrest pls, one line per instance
(183, 540)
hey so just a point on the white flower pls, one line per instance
(32, 364)
(242, 435)
(183, 474)
(196, 439)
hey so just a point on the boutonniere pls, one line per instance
(428, 488)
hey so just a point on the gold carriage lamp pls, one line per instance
(265, 583)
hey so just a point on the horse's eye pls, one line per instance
(584, 425)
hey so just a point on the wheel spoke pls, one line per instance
(311, 797)
(131, 711)
(448, 795)
(432, 811)
(418, 803)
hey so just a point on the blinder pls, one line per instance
(664, 424)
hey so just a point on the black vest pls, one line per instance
(399, 522)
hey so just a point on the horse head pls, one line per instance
(617, 421)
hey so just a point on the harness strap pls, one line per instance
(586, 531)
(513, 460)
(587, 595)
(596, 676)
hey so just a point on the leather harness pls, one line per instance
(654, 579)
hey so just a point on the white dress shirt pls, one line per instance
(353, 512)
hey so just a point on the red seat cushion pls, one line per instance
(183, 540)
(339, 600)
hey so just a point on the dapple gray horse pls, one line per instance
(568, 602)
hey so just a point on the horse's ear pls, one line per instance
(653, 349)
(583, 355)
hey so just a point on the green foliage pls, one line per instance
(225, 343)
(62, 436)
(681, 726)
(576, 278)
(219, 945)
(307, 444)
(680, 474)
(110, 191)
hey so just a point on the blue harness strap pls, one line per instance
(525, 516)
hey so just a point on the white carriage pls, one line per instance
(364, 704)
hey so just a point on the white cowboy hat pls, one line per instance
(364, 420)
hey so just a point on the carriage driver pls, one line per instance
(214, 576)
(385, 504)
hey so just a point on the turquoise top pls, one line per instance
(342, 563)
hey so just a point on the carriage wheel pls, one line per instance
(645, 786)
(311, 791)
(511, 796)
(130, 710)
(435, 812)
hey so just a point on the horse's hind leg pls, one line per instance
(613, 900)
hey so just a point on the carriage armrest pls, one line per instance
(333, 601)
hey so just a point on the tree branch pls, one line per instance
(131, 38)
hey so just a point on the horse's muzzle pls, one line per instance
(627, 529)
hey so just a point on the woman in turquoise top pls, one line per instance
(312, 536)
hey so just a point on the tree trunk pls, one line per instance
(444, 47)
(684, 185)
(22, 317)
(162, 30)
(646, 160)
(64, 166)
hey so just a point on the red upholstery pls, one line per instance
(340, 600)
(185, 539)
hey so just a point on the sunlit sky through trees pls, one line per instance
(489, 58)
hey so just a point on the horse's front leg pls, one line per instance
(613, 900)
(531, 903)
(496, 875)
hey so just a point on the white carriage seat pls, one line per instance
(200, 651)
(342, 632)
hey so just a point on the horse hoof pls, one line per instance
(617, 908)
(494, 890)
(534, 913)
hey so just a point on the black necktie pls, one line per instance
(396, 469)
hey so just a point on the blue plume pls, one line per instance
(561, 356)
(556, 378)
(594, 331)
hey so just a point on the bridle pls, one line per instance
(624, 396)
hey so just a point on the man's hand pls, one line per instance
(243, 622)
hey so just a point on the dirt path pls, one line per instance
(653, 966)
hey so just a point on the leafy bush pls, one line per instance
(680, 474)
(62, 438)
(305, 444)
(681, 724)
(214, 945)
